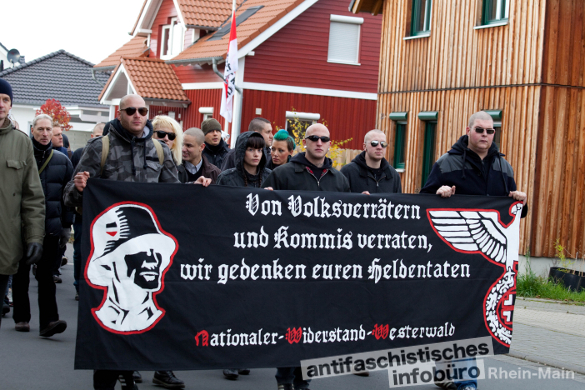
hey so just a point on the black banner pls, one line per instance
(186, 277)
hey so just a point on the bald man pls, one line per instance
(311, 170)
(308, 171)
(132, 157)
(370, 172)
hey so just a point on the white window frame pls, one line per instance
(340, 19)
(170, 30)
(302, 117)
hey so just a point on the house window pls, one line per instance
(421, 17)
(344, 39)
(207, 112)
(495, 11)
(497, 118)
(172, 39)
(400, 146)
(299, 121)
(430, 126)
(399, 139)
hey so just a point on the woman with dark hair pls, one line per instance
(250, 170)
(283, 146)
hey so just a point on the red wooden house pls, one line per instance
(312, 56)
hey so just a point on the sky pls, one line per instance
(91, 30)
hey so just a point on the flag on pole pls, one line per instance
(229, 76)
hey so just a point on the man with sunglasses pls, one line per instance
(132, 156)
(311, 170)
(308, 171)
(370, 172)
(473, 166)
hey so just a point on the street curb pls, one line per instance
(548, 362)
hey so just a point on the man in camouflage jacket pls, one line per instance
(132, 157)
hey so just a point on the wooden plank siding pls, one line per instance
(457, 56)
(531, 69)
(297, 54)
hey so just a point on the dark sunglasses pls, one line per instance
(479, 130)
(161, 134)
(132, 110)
(316, 138)
(376, 143)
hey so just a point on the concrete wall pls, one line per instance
(540, 265)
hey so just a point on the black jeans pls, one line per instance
(77, 252)
(106, 379)
(291, 375)
(3, 284)
(47, 301)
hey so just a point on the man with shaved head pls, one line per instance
(311, 170)
(132, 156)
(370, 172)
(195, 164)
(473, 166)
(308, 171)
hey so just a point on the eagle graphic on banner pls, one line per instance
(481, 231)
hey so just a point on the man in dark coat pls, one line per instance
(473, 166)
(309, 171)
(55, 171)
(370, 172)
(215, 147)
(195, 164)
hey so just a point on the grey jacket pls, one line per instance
(129, 159)
(22, 202)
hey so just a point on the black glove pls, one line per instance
(34, 251)
(64, 237)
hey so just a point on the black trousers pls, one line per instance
(47, 301)
(3, 284)
(106, 379)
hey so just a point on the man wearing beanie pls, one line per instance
(215, 147)
(21, 196)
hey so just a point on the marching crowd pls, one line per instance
(42, 191)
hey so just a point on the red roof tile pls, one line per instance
(136, 47)
(152, 78)
(206, 13)
(273, 11)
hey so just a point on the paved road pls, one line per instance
(29, 362)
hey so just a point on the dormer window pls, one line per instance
(171, 39)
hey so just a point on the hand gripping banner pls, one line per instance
(186, 277)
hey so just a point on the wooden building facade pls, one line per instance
(520, 60)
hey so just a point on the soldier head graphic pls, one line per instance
(130, 254)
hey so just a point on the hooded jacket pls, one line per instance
(361, 179)
(463, 168)
(238, 176)
(22, 203)
(229, 160)
(54, 178)
(298, 174)
(129, 159)
(216, 154)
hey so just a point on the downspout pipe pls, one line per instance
(214, 62)
(95, 79)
